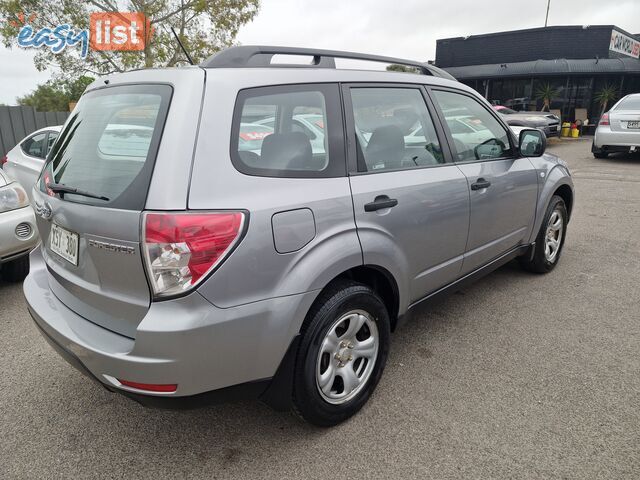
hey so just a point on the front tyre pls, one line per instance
(342, 354)
(550, 239)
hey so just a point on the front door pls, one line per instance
(411, 202)
(503, 186)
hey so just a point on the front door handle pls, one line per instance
(480, 184)
(381, 201)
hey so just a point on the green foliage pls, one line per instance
(605, 96)
(55, 95)
(546, 93)
(204, 26)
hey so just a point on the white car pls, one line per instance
(619, 128)
(18, 234)
(25, 161)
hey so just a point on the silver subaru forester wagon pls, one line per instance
(241, 229)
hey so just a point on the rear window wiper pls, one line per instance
(62, 189)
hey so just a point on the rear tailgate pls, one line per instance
(625, 120)
(130, 142)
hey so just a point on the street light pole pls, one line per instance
(546, 19)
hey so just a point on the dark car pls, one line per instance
(545, 121)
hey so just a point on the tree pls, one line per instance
(204, 27)
(605, 96)
(546, 93)
(55, 95)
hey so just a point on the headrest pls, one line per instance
(286, 151)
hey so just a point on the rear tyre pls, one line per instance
(598, 152)
(550, 239)
(342, 354)
(16, 270)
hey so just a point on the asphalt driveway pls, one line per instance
(517, 376)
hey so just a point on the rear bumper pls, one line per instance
(11, 245)
(607, 139)
(212, 354)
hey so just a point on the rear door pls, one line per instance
(409, 200)
(503, 187)
(25, 163)
(91, 241)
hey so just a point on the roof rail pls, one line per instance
(260, 56)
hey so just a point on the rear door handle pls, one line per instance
(381, 201)
(480, 184)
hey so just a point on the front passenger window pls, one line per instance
(477, 135)
(394, 129)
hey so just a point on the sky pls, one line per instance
(406, 28)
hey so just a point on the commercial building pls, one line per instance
(510, 68)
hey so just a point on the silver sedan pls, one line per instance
(18, 233)
(619, 128)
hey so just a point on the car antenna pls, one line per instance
(182, 46)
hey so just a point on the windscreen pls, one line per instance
(108, 146)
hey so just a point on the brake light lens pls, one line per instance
(182, 248)
(3, 160)
(604, 119)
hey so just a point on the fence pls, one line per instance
(18, 122)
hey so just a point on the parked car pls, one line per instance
(545, 121)
(18, 233)
(618, 129)
(197, 270)
(24, 161)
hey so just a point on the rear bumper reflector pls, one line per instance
(150, 387)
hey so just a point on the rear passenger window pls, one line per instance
(35, 146)
(289, 131)
(394, 129)
(477, 135)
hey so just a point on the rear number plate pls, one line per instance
(64, 243)
(633, 124)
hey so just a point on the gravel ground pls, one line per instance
(517, 376)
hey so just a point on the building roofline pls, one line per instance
(561, 66)
(540, 29)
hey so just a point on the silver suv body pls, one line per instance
(180, 266)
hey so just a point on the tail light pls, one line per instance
(181, 249)
(604, 119)
(3, 160)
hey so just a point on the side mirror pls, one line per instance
(533, 142)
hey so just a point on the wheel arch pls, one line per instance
(565, 192)
(379, 279)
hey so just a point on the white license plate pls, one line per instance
(633, 125)
(64, 243)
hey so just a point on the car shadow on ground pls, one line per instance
(233, 432)
(622, 158)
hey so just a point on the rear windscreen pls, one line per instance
(108, 146)
(630, 103)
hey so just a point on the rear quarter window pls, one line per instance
(289, 131)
